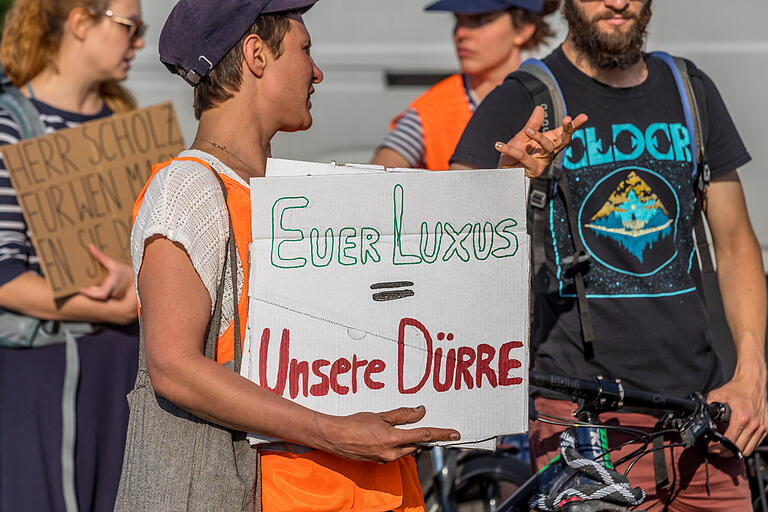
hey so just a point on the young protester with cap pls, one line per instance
(633, 183)
(250, 64)
(490, 37)
(63, 413)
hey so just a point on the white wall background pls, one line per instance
(356, 41)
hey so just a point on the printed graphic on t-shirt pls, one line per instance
(633, 216)
(628, 196)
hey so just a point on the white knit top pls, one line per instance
(184, 204)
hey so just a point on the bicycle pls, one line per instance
(461, 480)
(692, 419)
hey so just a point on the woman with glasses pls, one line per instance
(68, 58)
(490, 37)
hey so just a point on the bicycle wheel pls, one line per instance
(484, 481)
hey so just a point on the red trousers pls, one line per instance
(685, 468)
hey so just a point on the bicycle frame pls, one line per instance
(591, 443)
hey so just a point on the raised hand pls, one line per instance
(373, 437)
(533, 150)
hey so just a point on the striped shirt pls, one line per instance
(17, 255)
(407, 137)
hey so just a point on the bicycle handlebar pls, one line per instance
(609, 389)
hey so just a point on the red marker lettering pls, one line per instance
(356, 365)
(282, 368)
(339, 366)
(375, 366)
(506, 364)
(450, 366)
(410, 322)
(320, 389)
(298, 369)
(466, 357)
(485, 354)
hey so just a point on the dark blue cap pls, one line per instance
(199, 33)
(483, 6)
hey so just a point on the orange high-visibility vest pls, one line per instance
(444, 112)
(314, 480)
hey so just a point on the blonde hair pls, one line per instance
(32, 37)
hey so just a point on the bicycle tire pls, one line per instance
(484, 481)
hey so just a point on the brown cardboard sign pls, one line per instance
(77, 187)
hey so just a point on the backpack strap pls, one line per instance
(20, 108)
(541, 84)
(694, 109)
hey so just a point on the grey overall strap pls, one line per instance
(69, 420)
(20, 108)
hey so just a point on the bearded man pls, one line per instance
(630, 175)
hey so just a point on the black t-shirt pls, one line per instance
(630, 173)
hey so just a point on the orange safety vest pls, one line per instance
(314, 480)
(444, 112)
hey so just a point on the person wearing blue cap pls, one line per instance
(490, 37)
(253, 75)
(621, 214)
(250, 65)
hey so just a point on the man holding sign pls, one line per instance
(250, 64)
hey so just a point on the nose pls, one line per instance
(139, 43)
(460, 31)
(317, 73)
(617, 5)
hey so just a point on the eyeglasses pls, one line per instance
(136, 28)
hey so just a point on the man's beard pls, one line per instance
(608, 51)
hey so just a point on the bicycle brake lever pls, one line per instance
(723, 412)
(730, 445)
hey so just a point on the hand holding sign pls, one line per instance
(534, 150)
(118, 282)
(373, 437)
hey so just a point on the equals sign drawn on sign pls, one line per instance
(392, 294)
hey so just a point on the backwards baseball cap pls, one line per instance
(199, 33)
(483, 6)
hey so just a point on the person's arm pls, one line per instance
(388, 157)
(176, 309)
(30, 295)
(460, 166)
(403, 146)
(742, 285)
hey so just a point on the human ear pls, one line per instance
(79, 22)
(524, 34)
(254, 54)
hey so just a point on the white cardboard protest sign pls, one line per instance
(379, 290)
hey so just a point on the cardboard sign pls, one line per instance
(77, 187)
(374, 291)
